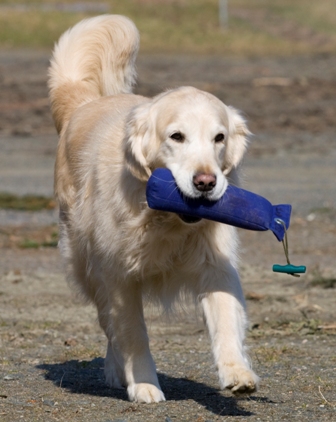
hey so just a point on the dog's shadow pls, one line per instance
(87, 377)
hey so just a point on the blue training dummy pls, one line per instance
(237, 207)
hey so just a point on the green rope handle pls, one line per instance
(289, 268)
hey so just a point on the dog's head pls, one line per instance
(190, 132)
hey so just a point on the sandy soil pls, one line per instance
(51, 349)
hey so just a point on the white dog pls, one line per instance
(116, 248)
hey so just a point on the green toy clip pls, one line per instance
(289, 268)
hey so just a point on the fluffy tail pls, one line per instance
(94, 58)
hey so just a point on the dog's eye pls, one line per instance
(177, 136)
(220, 137)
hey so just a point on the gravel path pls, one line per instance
(51, 349)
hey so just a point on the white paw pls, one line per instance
(238, 379)
(145, 393)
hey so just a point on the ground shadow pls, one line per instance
(87, 377)
(81, 377)
(212, 399)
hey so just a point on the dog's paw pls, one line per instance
(145, 393)
(238, 379)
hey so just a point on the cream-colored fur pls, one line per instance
(116, 248)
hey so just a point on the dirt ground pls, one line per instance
(51, 347)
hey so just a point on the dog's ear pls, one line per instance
(237, 140)
(136, 147)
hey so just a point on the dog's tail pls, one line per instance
(94, 58)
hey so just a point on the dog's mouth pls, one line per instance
(189, 219)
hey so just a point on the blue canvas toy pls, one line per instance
(237, 207)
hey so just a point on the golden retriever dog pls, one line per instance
(117, 250)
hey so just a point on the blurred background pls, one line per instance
(275, 60)
(258, 27)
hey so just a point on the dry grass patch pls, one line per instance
(255, 28)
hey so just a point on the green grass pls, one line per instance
(33, 244)
(29, 244)
(317, 15)
(324, 282)
(180, 26)
(25, 203)
(46, 237)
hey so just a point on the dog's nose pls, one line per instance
(204, 182)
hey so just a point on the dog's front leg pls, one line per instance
(127, 333)
(224, 311)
